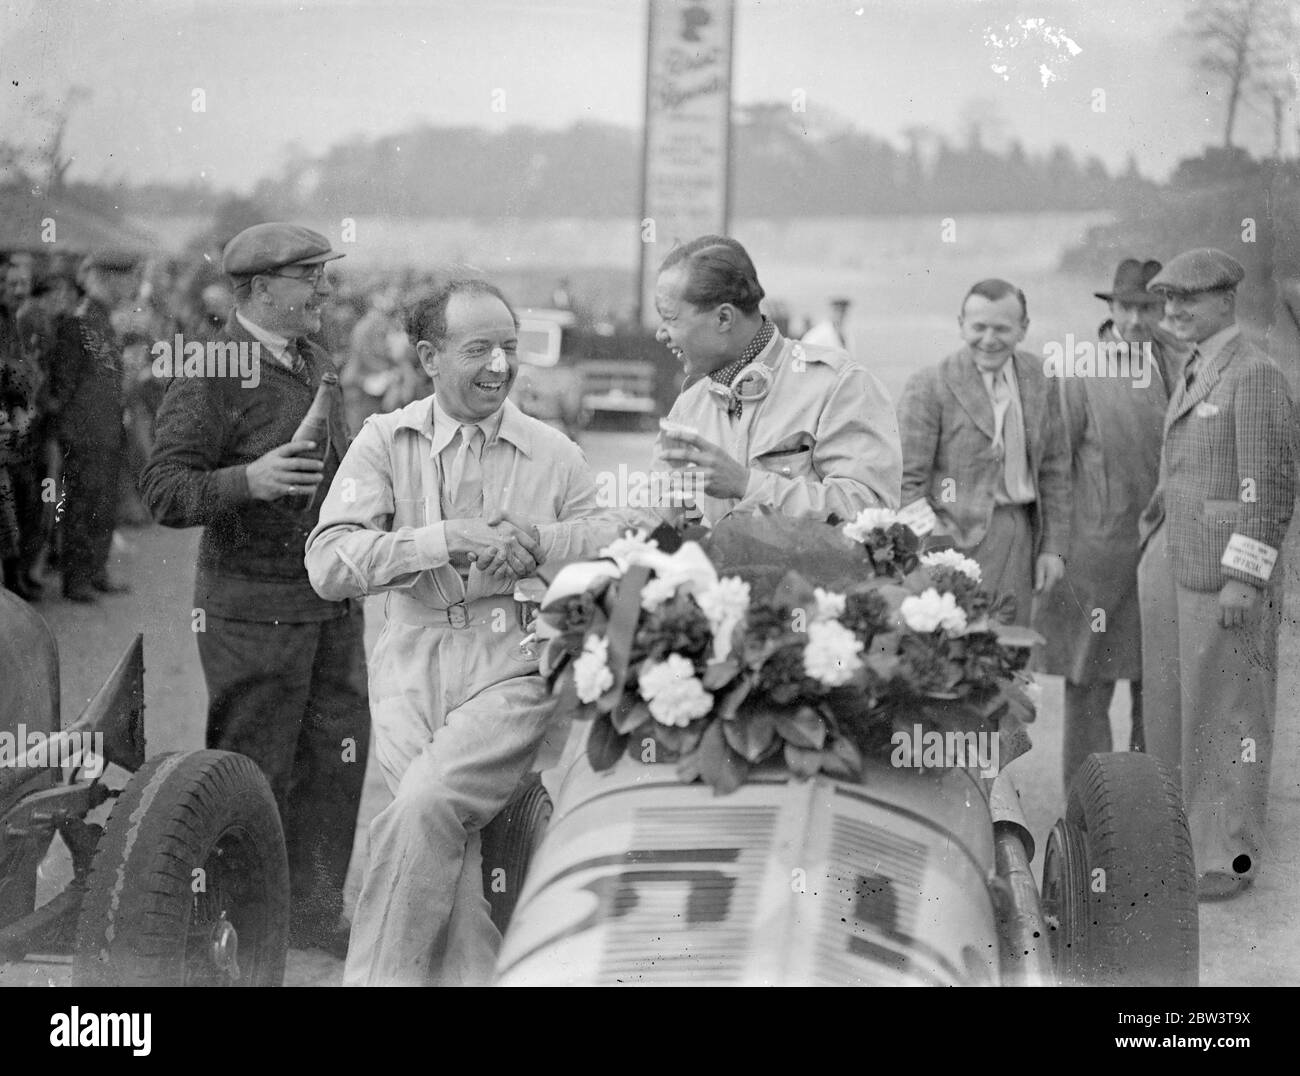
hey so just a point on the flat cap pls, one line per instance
(273, 245)
(1203, 269)
(115, 261)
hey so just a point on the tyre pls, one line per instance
(1119, 881)
(508, 844)
(190, 883)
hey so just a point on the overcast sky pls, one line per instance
(277, 72)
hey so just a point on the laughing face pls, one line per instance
(690, 333)
(473, 370)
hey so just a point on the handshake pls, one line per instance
(503, 546)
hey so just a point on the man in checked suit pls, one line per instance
(984, 453)
(1209, 582)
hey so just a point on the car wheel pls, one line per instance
(1119, 881)
(508, 845)
(190, 883)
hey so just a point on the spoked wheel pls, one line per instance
(1065, 898)
(1119, 882)
(190, 883)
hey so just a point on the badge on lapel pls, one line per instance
(1206, 410)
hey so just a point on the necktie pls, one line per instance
(1009, 433)
(465, 479)
(1189, 371)
(293, 357)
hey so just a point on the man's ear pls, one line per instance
(727, 317)
(428, 357)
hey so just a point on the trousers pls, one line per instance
(90, 486)
(1210, 703)
(1006, 558)
(1087, 723)
(459, 716)
(292, 697)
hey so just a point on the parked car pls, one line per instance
(547, 387)
(186, 883)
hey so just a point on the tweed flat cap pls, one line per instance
(273, 245)
(1203, 269)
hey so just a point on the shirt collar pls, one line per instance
(507, 423)
(726, 375)
(273, 342)
(1211, 346)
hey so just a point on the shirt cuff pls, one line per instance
(431, 546)
(230, 484)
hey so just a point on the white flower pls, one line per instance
(577, 578)
(868, 520)
(634, 548)
(950, 558)
(725, 604)
(674, 692)
(932, 610)
(831, 654)
(830, 606)
(591, 675)
(656, 592)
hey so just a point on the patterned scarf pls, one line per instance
(726, 375)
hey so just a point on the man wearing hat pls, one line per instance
(1113, 425)
(1209, 581)
(86, 396)
(285, 669)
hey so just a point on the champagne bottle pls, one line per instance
(315, 426)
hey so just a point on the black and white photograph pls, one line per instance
(651, 492)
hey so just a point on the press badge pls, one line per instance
(1247, 555)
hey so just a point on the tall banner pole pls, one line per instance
(686, 156)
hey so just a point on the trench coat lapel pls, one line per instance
(965, 383)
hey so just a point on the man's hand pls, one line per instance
(1239, 604)
(498, 567)
(282, 471)
(1048, 571)
(711, 469)
(497, 550)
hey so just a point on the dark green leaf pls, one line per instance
(719, 765)
(720, 674)
(737, 695)
(802, 762)
(804, 728)
(752, 734)
(841, 758)
(629, 714)
(604, 745)
(622, 629)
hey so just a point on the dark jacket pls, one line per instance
(86, 379)
(208, 430)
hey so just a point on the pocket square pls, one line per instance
(1206, 410)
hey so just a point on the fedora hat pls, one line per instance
(1131, 280)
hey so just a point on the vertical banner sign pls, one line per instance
(687, 154)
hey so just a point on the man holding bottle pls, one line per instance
(285, 668)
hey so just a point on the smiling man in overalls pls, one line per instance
(445, 505)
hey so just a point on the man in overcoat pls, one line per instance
(1114, 407)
